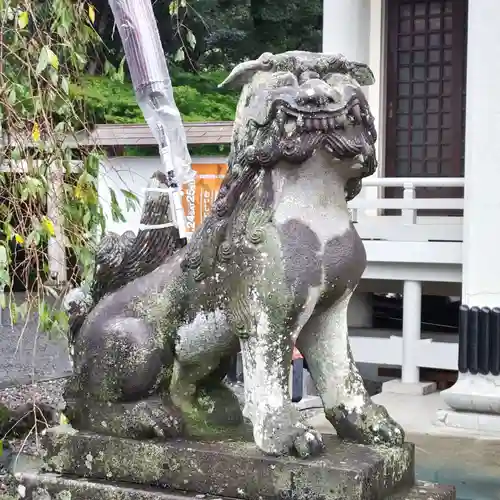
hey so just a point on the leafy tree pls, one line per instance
(200, 34)
(239, 29)
(48, 186)
(109, 100)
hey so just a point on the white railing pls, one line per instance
(408, 226)
(420, 239)
(412, 248)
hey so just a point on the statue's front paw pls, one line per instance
(151, 419)
(371, 424)
(281, 432)
(308, 443)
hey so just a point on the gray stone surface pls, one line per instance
(24, 353)
(397, 386)
(234, 469)
(82, 489)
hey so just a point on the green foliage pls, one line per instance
(229, 31)
(201, 33)
(44, 194)
(108, 100)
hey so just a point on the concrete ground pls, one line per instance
(469, 460)
(417, 414)
(26, 354)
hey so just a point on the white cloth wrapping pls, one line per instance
(148, 69)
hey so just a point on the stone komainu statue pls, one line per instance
(275, 263)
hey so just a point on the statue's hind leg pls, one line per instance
(203, 352)
(325, 345)
(113, 389)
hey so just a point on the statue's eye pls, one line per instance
(266, 59)
(308, 75)
(284, 79)
(340, 79)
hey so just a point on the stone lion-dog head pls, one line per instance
(293, 104)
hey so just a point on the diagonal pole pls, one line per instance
(153, 89)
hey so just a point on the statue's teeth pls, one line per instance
(331, 122)
(340, 121)
(290, 127)
(281, 119)
(317, 123)
(356, 112)
(309, 124)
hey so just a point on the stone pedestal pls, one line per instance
(397, 386)
(83, 466)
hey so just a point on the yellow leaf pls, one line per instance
(53, 59)
(19, 239)
(173, 8)
(91, 13)
(63, 420)
(79, 192)
(48, 225)
(23, 20)
(35, 133)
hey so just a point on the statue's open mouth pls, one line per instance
(346, 131)
(298, 120)
(351, 119)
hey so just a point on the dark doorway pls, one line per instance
(426, 57)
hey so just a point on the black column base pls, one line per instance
(479, 340)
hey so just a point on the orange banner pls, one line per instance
(200, 194)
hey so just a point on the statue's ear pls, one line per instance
(362, 74)
(243, 72)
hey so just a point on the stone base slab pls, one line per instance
(233, 469)
(56, 487)
(478, 422)
(396, 386)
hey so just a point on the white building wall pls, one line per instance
(357, 29)
(129, 173)
(346, 27)
(133, 173)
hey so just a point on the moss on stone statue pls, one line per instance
(228, 468)
(5, 416)
(197, 426)
(146, 462)
(215, 413)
